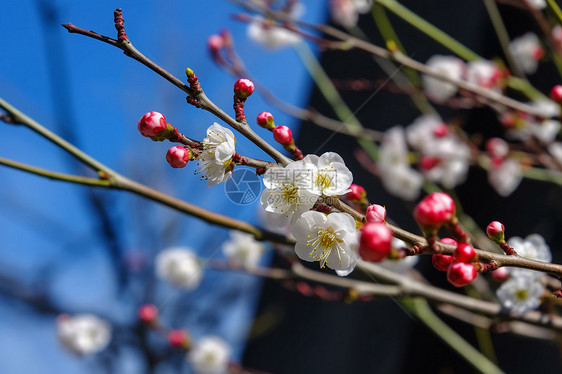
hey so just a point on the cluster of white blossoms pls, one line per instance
(83, 334)
(443, 157)
(293, 190)
(242, 249)
(346, 12)
(180, 267)
(210, 355)
(523, 290)
(482, 73)
(215, 160)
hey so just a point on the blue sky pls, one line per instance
(49, 237)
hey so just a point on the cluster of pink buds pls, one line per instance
(148, 315)
(459, 267)
(282, 134)
(375, 243)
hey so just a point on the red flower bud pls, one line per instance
(556, 94)
(178, 339)
(148, 313)
(376, 242)
(440, 130)
(283, 135)
(428, 163)
(500, 274)
(375, 213)
(243, 88)
(178, 156)
(434, 210)
(152, 124)
(265, 120)
(356, 194)
(441, 262)
(460, 274)
(496, 232)
(464, 253)
(449, 241)
(214, 42)
(497, 147)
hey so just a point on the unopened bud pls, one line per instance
(283, 135)
(243, 88)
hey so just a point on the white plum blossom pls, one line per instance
(430, 136)
(242, 249)
(555, 150)
(346, 12)
(210, 355)
(506, 177)
(520, 294)
(537, 4)
(532, 247)
(331, 176)
(288, 192)
(526, 51)
(439, 90)
(215, 160)
(483, 73)
(396, 174)
(179, 266)
(402, 265)
(267, 33)
(330, 239)
(83, 334)
(543, 130)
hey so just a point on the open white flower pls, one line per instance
(331, 239)
(483, 73)
(346, 12)
(83, 334)
(209, 356)
(242, 249)
(272, 36)
(437, 89)
(288, 192)
(520, 294)
(332, 177)
(537, 4)
(526, 51)
(505, 178)
(396, 174)
(215, 160)
(180, 267)
(533, 247)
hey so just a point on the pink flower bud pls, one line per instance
(449, 241)
(500, 274)
(152, 124)
(283, 135)
(376, 242)
(434, 210)
(214, 42)
(497, 147)
(265, 120)
(243, 88)
(496, 231)
(556, 94)
(376, 213)
(178, 339)
(148, 314)
(464, 253)
(178, 156)
(441, 262)
(428, 163)
(356, 194)
(441, 130)
(538, 53)
(460, 274)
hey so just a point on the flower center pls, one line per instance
(521, 295)
(323, 181)
(323, 244)
(290, 194)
